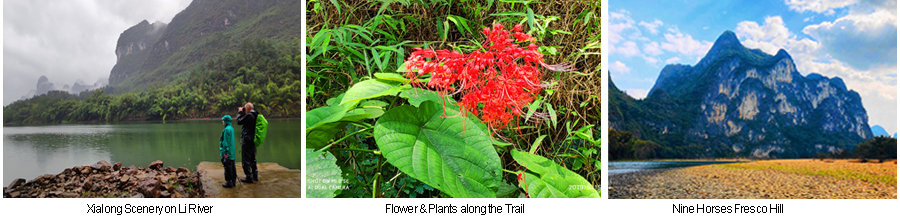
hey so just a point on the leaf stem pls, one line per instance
(342, 139)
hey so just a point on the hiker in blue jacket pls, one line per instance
(226, 152)
(247, 119)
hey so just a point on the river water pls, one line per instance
(31, 151)
(617, 167)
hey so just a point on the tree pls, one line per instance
(880, 148)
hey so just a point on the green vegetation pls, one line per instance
(207, 29)
(262, 71)
(370, 118)
(880, 147)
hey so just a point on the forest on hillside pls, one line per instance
(262, 71)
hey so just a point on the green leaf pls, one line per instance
(546, 179)
(367, 89)
(324, 115)
(552, 114)
(392, 77)
(323, 176)
(435, 149)
(530, 18)
(416, 96)
(533, 107)
(321, 136)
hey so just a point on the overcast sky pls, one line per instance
(69, 40)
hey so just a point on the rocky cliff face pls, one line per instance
(203, 30)
(743, 102)
(132, 49)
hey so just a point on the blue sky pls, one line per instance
(852, 39)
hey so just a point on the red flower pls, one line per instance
(497, 80)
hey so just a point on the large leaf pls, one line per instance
(369, 89)
(416, 96)
(319, 137)
(324, 115)
(433, 148)
(546, 179)
(323, 176)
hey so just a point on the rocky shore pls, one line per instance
(110, 180)
(791, 179)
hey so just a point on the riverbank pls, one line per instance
(275, 181)
(110, 180)
(794, 179)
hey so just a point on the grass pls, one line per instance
(883, 173)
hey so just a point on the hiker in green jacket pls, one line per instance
(226, 151)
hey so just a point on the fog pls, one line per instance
(69, 41)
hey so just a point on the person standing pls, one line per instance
(226, 152)
(247, 119)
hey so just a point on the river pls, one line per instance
(31, 151)
(617, 167)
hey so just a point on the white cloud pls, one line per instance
(673, 60)
(627, 49)
(651, 26)
(818, 6)
(619, 67)
(637, 93)
(652, 49)
(862, 40)
(684, 44)
(650, 60)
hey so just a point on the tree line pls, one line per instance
(261, 71)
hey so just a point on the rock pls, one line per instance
(165, 194)
(117, 166)
(124, 178)
(15, 194)
(150, 188)
(69, 195)
(87, 185)
(156, 165)
(16, 183)
(182, 170)
(85, 170)
(138, 195)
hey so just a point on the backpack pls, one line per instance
(261, 126)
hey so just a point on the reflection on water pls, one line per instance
(617, 167)
(32, 151)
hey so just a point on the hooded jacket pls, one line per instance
(226, 141)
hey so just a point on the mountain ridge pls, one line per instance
(743, 102)
(205, 30)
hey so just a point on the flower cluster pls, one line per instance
(499, 79)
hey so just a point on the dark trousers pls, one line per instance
(248, 159)
(230, 171)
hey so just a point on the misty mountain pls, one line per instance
(154, 54)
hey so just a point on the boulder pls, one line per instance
(117, 166)
(101, 166)
(156, 165)
(150, 188)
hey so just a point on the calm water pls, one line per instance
(617, 167)
(32, 151)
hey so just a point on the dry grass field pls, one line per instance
(794, 179)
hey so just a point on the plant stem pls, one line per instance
(342, 139)
(360, 149)
(508, 171)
